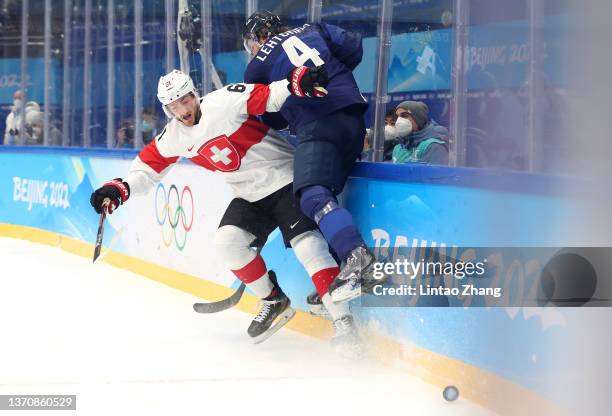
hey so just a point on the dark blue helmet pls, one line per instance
(261, 24)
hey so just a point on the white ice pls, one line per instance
(126, 345)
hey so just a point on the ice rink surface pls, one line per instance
(126, 345)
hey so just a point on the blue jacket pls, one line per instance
(311, 45)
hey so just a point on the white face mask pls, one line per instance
(18, 103)
(390, 132)
(403, 126)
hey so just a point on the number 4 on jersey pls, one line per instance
(298, 52)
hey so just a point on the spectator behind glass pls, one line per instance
(13, 120)
(149, 126)
(420, 138)
(390, 140)
(125, 135)
(35, 129)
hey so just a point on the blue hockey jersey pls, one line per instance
(311, 45)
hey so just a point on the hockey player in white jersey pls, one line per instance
(220, 132)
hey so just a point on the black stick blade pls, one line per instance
(100, 234)
(214, 307)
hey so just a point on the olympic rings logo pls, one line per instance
(170, 210)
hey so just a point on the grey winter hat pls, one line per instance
(418, 110)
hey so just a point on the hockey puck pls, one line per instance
(450, 393)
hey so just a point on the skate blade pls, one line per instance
(281, 321)
(350, 276)
(346, 292)
(318, 310)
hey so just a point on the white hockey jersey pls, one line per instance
(228, 139)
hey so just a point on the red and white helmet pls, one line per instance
(173, 86)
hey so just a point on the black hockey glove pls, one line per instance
(116, 190)
(308, 82)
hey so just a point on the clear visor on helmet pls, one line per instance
(251, 43)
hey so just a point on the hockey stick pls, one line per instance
(112, 243)
(214, 307)
(100, 235)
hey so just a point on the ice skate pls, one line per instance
(346, 341)
(315, 305)
(274, 313)
(355, 276)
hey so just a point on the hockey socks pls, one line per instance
(322, 280)
(256, 278)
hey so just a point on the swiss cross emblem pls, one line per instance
(221, 153)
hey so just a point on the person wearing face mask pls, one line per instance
(13, 120)
(35, 129)
(390, 138)
(19, 111)
(420, 138)
(125, 135)
(149, 126)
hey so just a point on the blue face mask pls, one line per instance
(146, 126)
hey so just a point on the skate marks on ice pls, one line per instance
(127, 345)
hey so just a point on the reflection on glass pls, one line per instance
(514, 99)
(10, 73)
(419, 83)
(361, 19)
(511, 91)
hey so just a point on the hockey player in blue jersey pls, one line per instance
(330, 131)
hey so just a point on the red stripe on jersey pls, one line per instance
(151, 156)
(252, 271)
(251, 132)
(256, 104)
